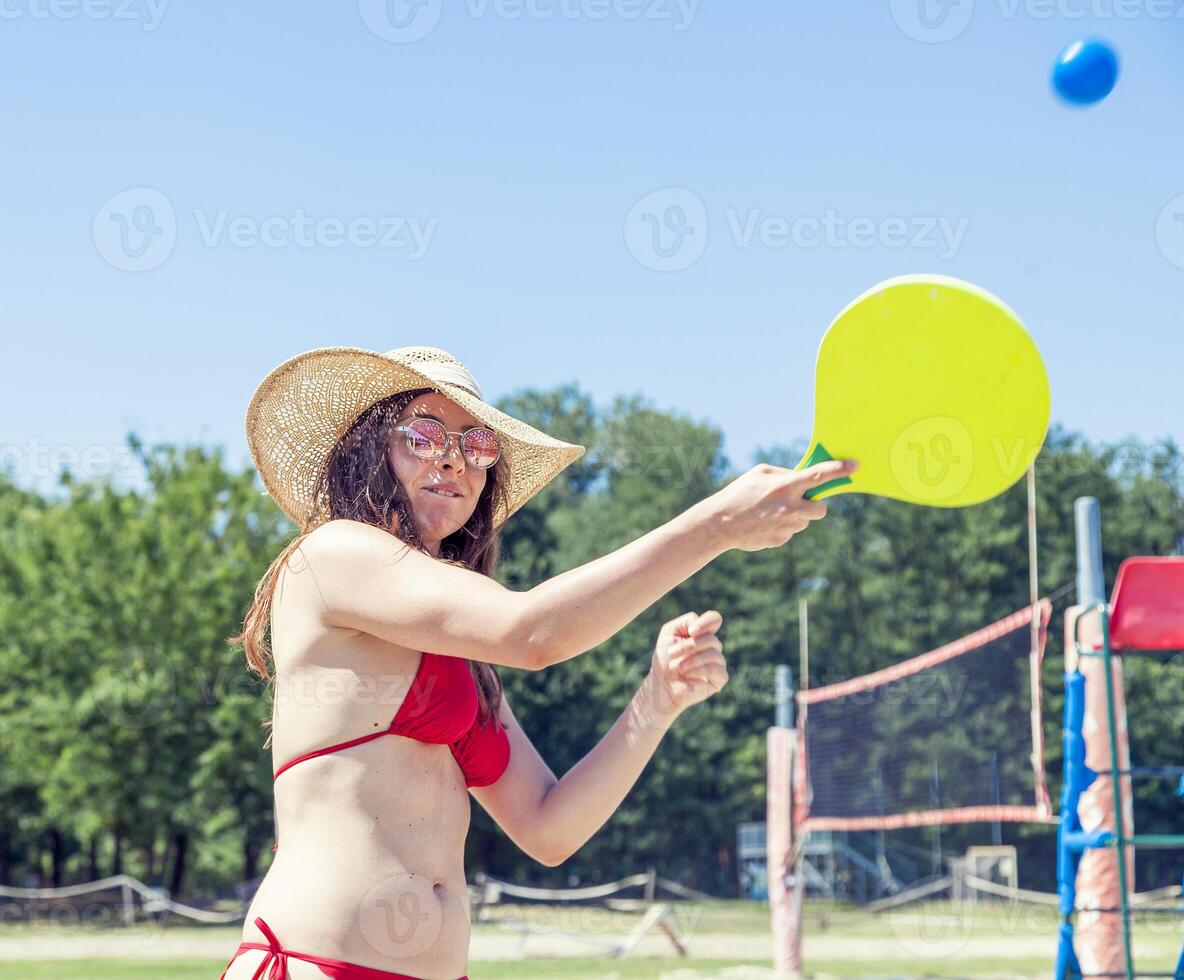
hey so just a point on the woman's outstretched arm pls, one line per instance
(370, 581)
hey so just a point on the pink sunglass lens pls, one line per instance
(427, 438)
(480, 447)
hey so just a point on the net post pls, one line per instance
(797, 842)
(803, 642)
(1116, 787)
(1036, 655)
(1091, 589)
(783, 698)
(781, 844)
(1103, 878)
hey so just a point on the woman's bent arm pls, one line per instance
(590, 792)
(686, 667)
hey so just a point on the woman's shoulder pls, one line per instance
(344, 534)
(325, 550)
(298, 622)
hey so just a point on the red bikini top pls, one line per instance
(441, 707)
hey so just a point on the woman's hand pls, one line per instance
(688, 664)
(765, 507)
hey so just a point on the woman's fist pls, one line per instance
(688, 663)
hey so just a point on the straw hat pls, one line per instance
(304, 406)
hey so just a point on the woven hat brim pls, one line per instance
(303, 407)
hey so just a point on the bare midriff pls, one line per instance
(370, 863)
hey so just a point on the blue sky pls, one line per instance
(195, 192)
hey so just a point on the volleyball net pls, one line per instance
(950, 736)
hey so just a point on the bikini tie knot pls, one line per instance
(276, 956)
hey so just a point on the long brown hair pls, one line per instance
(357, 484)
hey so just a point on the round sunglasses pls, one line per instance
(428, 439)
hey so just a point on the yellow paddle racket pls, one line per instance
(934, 385)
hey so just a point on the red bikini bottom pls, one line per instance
(277, 956)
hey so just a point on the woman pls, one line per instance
(386, 621)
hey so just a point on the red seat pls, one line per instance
(1147, 605)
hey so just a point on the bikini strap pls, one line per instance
(276, 955)
(328, 750)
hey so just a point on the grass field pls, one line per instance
(726, 941)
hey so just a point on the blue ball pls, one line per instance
(1085, 72)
